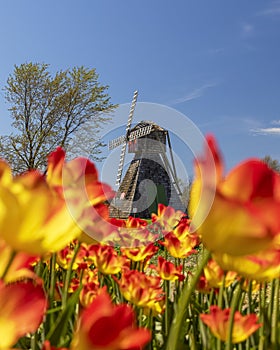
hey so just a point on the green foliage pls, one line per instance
(48, 109)
(272, 163)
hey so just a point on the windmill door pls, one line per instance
(159, 198)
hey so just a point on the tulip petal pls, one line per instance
(250, 180)
(104, 326)
(22, 306)
(231, 228)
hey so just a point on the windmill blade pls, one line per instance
(140, 132)
(131, 112)
(173, 165)
(123, 150)
(116, 142)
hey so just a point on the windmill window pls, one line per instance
(132, 146)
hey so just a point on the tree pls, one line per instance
(47, 110)
(272, 163)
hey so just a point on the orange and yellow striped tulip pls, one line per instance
(142, 290)
(218, 321)
(237, 214)
(168, 271)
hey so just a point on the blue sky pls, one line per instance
(217, 62)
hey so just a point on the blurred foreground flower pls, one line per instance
(104, 326)
(20, 267)
(22, 307)
(244, 216)
(32, 218)
(262, 267)
(39, 215)
(218, 322)
(77, 182)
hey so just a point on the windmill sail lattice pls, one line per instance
(131, 112)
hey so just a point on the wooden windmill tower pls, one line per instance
(150, 179)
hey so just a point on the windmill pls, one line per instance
(151, 178)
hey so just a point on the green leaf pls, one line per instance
(58, 332)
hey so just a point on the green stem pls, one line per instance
(203, 335)
(249, 294)
(275, 313)
(221, 292)
(52, 278)
(150, 323)
(271, 300)
(233, 307)
(192, 341)
(101, 279)
(34, 339)
(10, 261)
(140, 316)
(52, 285)
(184, 267)
(68, 275)
(250, 340)
(166, 313)
(220, 304)
(39, 269)
(211, 298)
(178, 319)
(262, 335)
(240, 346)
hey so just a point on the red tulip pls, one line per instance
(104, 326)
(22, 307)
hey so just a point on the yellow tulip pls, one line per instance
(41, 214)
(237, 214)
(263, 266)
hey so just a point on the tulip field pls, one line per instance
(73, 278)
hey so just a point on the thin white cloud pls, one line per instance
(273, 10)
(216, 51)
(234, 123)
(196, 93)
(266, 131)
(247, 30)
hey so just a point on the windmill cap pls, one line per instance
(144, 123)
